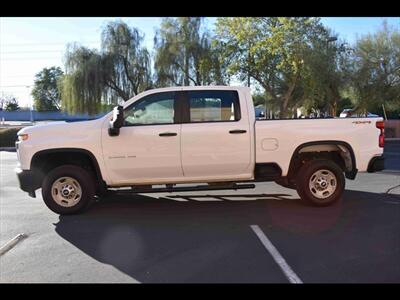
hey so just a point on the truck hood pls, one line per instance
(34, 128)
(62, 128)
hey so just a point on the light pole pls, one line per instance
(331, 39)
(248, 66)
(31, 106)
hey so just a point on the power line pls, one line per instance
(28, 58)
(41, 44)
(17, 76)
(22, 85)
(16, 92)
(30, 51)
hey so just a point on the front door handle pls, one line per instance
(237, 131)
(168, 134)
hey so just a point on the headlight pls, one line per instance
(23, 137)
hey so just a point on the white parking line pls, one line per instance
(287, 270)
(392, 188)
(12, 243)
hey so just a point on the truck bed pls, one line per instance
(276, 140)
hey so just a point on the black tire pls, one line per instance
(307, 193)
(82, 176)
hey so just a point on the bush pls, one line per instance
(8, 136)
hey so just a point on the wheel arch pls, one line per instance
(47, 158)
(345, 150)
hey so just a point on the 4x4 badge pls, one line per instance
(361, 122)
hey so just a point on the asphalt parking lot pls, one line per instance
(196, 237)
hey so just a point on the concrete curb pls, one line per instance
(9, 149)
(391, 172)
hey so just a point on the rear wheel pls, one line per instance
(320, 182)
(68, 189)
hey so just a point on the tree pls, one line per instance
(376, 71)
(119, 71)
(46, 91)
(2, 102)
(9, 103)
(83, 84)
(328, 62)
(126, 63)
(185, 55)
(273, 51)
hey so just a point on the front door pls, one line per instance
(148, 147)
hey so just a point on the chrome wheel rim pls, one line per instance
(66, 191)
(322, 184)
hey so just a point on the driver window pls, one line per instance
(152, 109)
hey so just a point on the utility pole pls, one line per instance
(31, 107)
(384, 111)
(330, 40)
(248, 66)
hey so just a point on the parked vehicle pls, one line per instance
(350, 113)
(259, 112)
(182, 135)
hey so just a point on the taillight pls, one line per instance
(381, 126)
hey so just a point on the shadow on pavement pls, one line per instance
(163, 240)
(392, 155)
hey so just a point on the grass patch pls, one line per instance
(8, 136)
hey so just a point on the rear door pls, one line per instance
(215, 137)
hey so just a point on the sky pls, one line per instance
(27, 45)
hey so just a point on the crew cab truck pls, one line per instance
(192, 135)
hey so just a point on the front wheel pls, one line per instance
(68, 189)
(320, 182)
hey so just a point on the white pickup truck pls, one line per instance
(182, 135)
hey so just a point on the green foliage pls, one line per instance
(185, 55)
(274, 51)
(344, 103)
(3, 100)
(296, 61)
(83, 85)
(259, 99)
(8, 136)
(94, 79)
(328, 63)
(376, 71)
(126, 62)
(46, 93)
(11, 104)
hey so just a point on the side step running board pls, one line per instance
(187, 189)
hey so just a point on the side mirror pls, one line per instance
(117, 121)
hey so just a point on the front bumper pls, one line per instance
(376, 164)
(27, 181)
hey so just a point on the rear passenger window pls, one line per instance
(214, 106)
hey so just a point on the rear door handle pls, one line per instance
(237, 131)
(168, 134)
